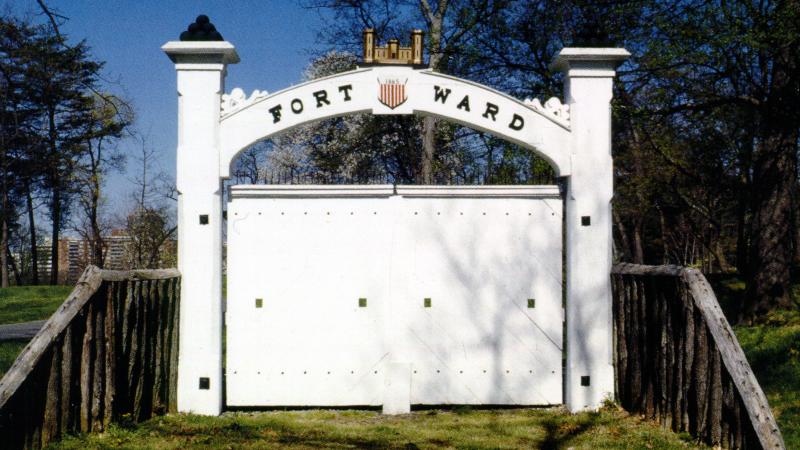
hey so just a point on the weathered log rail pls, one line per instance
(678, 360)
(111, 350)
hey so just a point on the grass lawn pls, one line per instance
(461, 428)
(25, 303)
(773, 350)
(22, 304)
(8, 353)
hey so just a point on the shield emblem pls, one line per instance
(392, 93)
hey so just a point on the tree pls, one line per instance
(110, 118)
(705, 144)
(19, 138)
(360, 148)
(150, 224)
(57, 77)
(448, 24)
(10, 127)
(738, 62)
(57, 134)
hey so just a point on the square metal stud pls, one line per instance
(203, 219)
(205, 384)
(362, 302)
(586, 221)
(585, 380)
(259, 303)
(531, 303)
(427, 302)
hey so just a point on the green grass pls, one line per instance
(8, 353)
(462, 428)
(22, 304)
(26, 303)
(773, 350)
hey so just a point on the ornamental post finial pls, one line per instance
(201, 30)
(392, 52)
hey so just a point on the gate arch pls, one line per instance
(544, 129)
(213, 128)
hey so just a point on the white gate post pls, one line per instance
(200, 67)
(589, 75)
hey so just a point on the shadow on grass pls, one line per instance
(558, 432)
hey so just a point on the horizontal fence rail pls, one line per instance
(110, 351)
(678, 360)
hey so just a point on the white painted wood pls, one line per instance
(573, 138)
(311, 190)
(478, 257)
(200, 68)
(420, 191)
(543, 129)
(310, 261)
(589, 76)
(479, 260)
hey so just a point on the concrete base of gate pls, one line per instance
(397, 389)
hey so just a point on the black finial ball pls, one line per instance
(201, 30)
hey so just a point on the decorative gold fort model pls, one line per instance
(392, 53)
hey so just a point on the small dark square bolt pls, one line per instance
(225, 215)
(203, 219)
(259, 303)
(586, 221)
(427, 302)
(204, 383)
(585, 380)
(531, 303)
(362, 302)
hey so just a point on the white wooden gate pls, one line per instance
(573, 136)
(328, 286)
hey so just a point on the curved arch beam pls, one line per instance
(545, 130)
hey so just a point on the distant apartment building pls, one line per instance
(74, 254)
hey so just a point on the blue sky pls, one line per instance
(274, 39)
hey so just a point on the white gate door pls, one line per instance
(328, 284)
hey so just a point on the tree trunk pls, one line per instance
(5, 214)
(774, 179)
(662, 221)
(4, 244)
(97, 237)
(55, 184)
(32, 225)
(742, 233)
(770, 253)
(55, 212)
(638, 248)
(797, 229)
(428, 149)
(623, 235)
(14, 268)
(435, 19)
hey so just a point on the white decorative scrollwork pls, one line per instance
(552, 108)
(237, 100)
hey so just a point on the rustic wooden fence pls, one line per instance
(678, 360)
(111, 350)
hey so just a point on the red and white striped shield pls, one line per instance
(392, 93)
